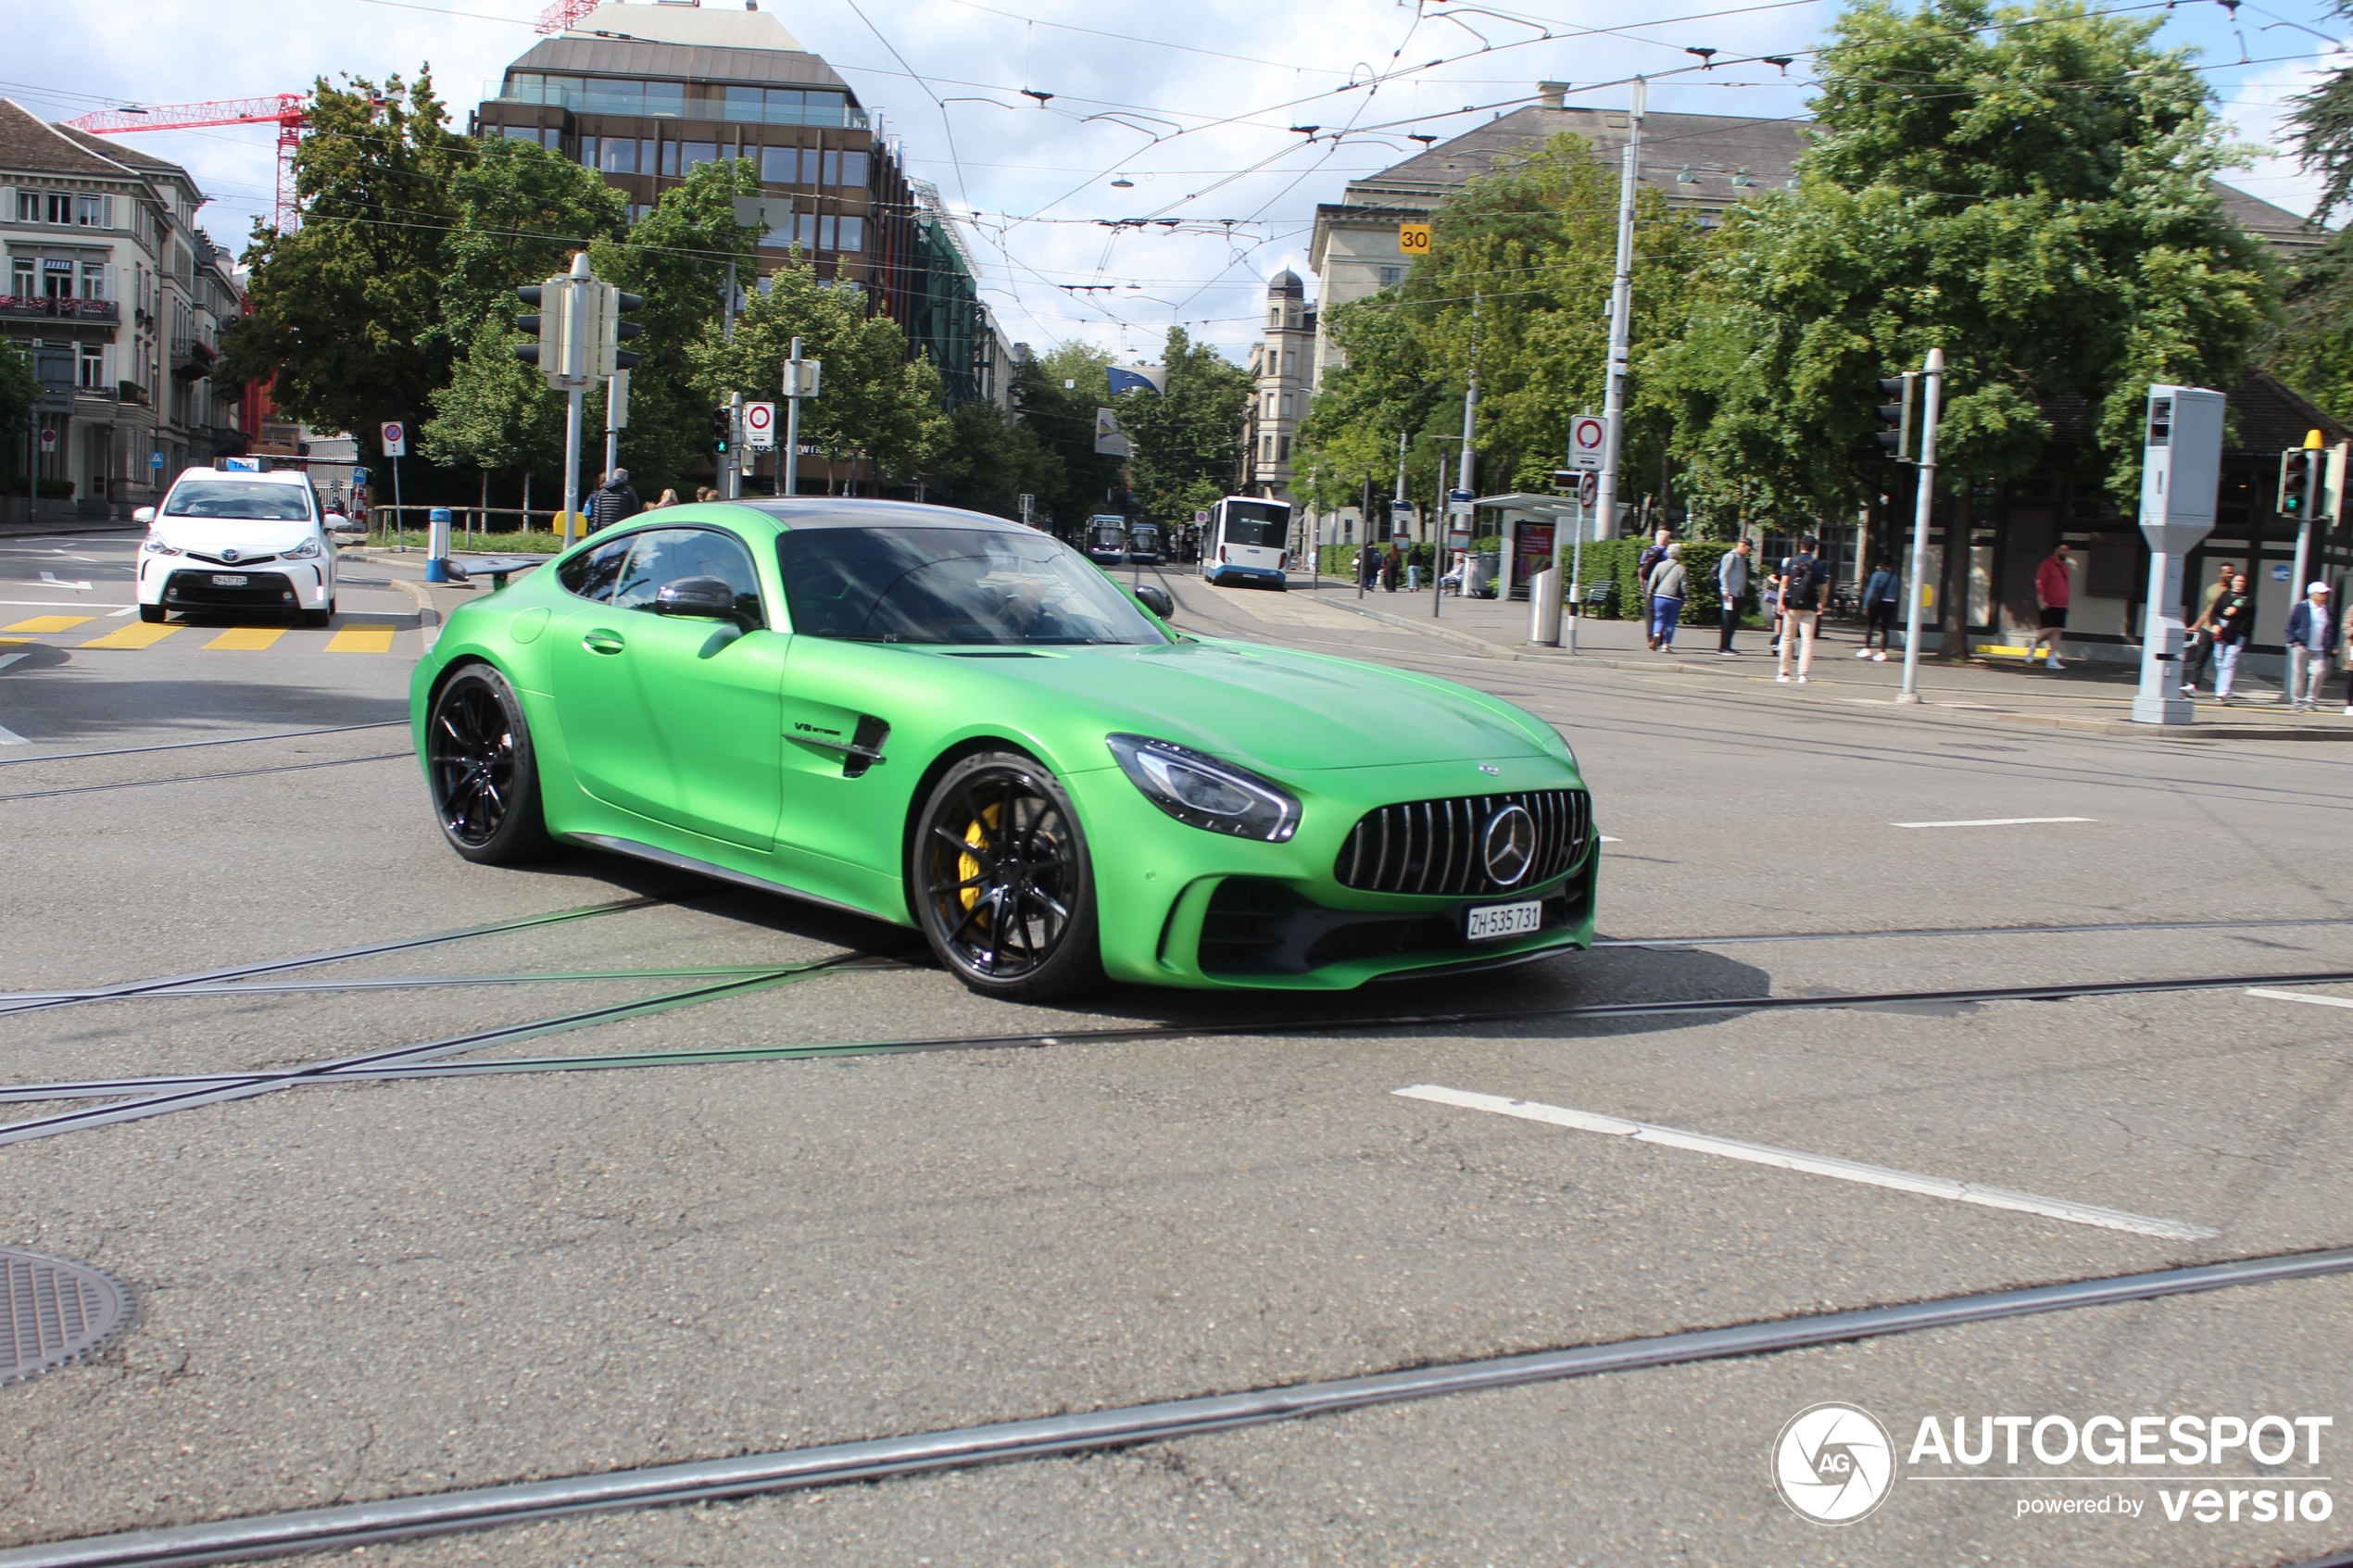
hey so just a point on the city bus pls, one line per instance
(1106, 540)
(1247, 541)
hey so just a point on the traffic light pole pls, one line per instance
(791, 486)
(1923, 506)
(1621, 312)
(730, 473)
(2313, 456)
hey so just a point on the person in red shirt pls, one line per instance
(2054, 585)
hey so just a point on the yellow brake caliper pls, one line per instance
(968, 866)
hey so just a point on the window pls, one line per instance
(669, 159)
(1270, 405)
(672, 555)
(617, 154)
(94, 366)
(27, 207)
(589, 153)
(1282, 449)
(1390, 276)
(666, 100)
(700, 153)
(20, 282)
(90, 212)
(1274, 315)
(600, 97)
(779, 165)
(592, 574)
(523, 87)
(853, 172)
(853, 235)
(93, 279)
(746, 103)
(238, 499)
(785, 105)
(1268, 454)
(833, 167)
(952, 585)
(822, 108)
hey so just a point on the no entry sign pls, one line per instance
(1587, 436)
(760, 425)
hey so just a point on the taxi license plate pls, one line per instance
(221, 581)
(1491, 922)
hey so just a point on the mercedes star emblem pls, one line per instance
(1509, 845)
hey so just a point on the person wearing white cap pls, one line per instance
(2310, 638)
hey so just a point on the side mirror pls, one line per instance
(145, 514)
(1157, 599)
(707, 597)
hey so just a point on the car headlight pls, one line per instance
(1204, 792)
(303, 551)
(156, 546)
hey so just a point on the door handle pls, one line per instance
(601, 641)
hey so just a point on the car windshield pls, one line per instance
(952, 586)
(239, 498)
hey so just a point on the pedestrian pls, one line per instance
(1879, 596)
(1667, 584)
(669, 498)
(2233, 619)
(1392, 569)
(613, 501)
(1731, 587)
(1367, 564)
(2198, 651)
(2054, 585)
(2310, 638)
(1653, 553)
(1800, 595)
(2345, 652)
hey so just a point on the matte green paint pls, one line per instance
(696, 738)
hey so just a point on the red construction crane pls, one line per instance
(290, 112)
(561, 14)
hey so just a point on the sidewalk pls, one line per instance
(2084, 697)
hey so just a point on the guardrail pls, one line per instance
(22, 306)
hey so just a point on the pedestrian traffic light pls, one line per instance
(617, 331)
(723, 425)
(2295, 467)
(1896, 439)
(529, 352)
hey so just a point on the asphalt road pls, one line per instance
(362, 1291)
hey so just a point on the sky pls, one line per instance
(1193, 103)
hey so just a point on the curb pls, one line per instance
(2173, 732)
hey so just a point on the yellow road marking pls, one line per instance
(361, 639)
(51, 623)
(140, 634)
(246, 639)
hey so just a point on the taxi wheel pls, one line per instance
(1005, 891)
(479, 768)
(151, 612)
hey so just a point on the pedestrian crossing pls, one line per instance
(137, 634)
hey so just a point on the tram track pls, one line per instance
(190, 745)
(204, 778)
(174, 1092)
(419, 1516)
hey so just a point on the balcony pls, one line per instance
(193, 359)
(17, 306)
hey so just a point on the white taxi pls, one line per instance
(236, 540)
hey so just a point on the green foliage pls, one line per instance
(1063, 420)
(345, 308)
(19, 388)
(992, 459)
(1535, 244)
(2036, 200)
(1186, 440)
(873, 404)
(2313, 353)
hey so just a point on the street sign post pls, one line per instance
(1588, 441)
(1589, 489)
(759, 426)
(801, 380)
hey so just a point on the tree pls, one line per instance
(994, 458)
(1062, 419)
(873, 404)
(1519, 273)
(19, 396)
(2030, 189)
(1186, 439)
(345, 308)
(2314, 351)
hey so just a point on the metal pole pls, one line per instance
(2314, 455)
(1934, 380)
(571, 461)
(1621, 313)
(792, 433)
(398, 522)
(613, 430)
(731, 471)
(727, 320)
(1577, 578)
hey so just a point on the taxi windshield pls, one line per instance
(239, 498)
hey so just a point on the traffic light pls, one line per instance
(723, 426)
(1896, 439)
(529, 352)
(617, 331)
(2295, 466)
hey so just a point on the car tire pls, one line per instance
(319, 617)
(1003, 882)
(481, 771)
(152, 613)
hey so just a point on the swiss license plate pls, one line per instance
(1491, 922)
(219, 581)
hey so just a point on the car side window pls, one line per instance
(592, 573)
(673, 554)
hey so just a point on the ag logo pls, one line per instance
(1833, 1463)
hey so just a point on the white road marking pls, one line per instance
(8, 658)
(1812, 1164)
(2301, 997)
(57, 581)
(1607, 839)
(10, 737)
(58, 603)
(1995, 823)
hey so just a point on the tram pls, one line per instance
(1107, 540)
(1143, 542)
(1247, 541)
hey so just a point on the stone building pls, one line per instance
(1281, 368)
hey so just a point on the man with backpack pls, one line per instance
(1800, 583)
(1653, 553)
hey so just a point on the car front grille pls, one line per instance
(237, 565)
(1434, 846)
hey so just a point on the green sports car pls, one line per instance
(951, 722)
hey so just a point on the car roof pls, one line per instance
(269, 476)
(845, 511)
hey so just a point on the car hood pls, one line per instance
(212, 534)
(1283, 710)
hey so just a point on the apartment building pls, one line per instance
(118, 300)
(1281, 370)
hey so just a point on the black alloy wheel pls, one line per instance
(484, 780)
(1005, 891)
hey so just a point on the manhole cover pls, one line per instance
(51, 1312)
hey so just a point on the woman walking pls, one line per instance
(1666, 587)
(2232, 620)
